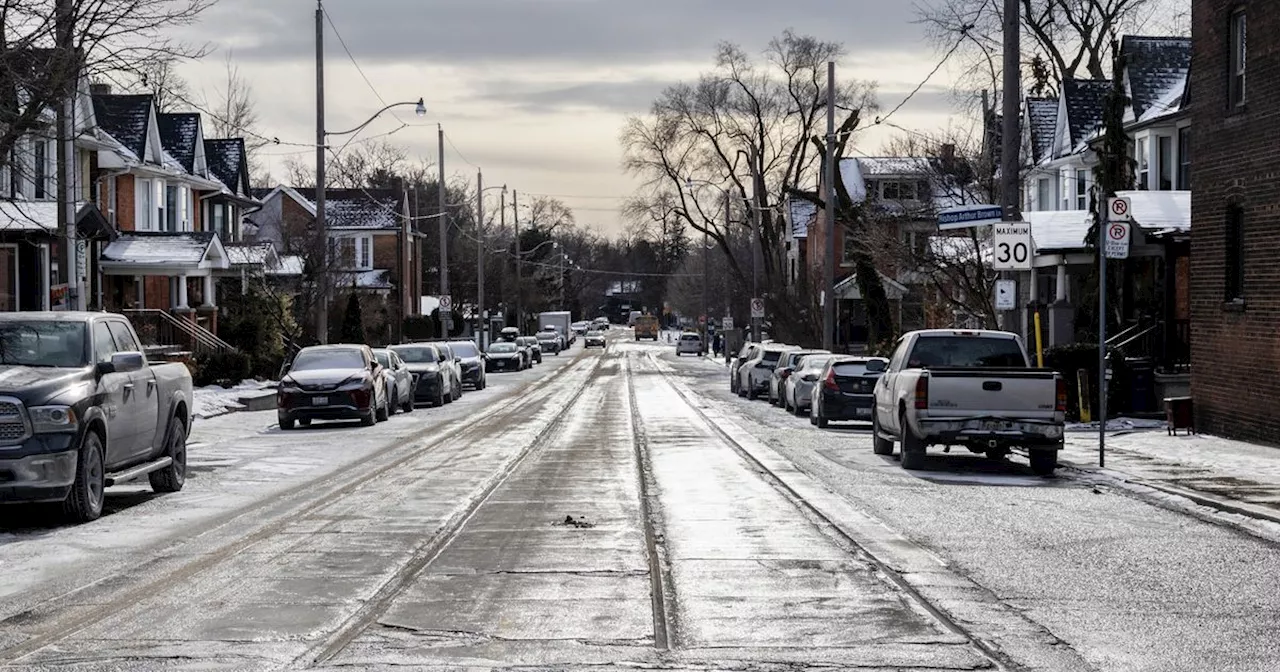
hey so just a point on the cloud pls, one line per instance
(625, 97)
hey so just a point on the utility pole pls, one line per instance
(1010, 140)
(562, 278)
(755, 241)
(444, 221)
(67, 74)
(480, 320)
(706, 310)
(502, 224)
(829, 246)
(515, 218)
(322, 239)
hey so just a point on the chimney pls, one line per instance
(99, 89)
(948, 153)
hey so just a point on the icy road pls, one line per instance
(615, 510)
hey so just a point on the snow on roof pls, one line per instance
(378, 278)
(149, 248)
(958, 249)
(28, 216)
(125, 118)
(357, 208)
(290, 264)
(881, 166)
(1156, 70)
(1058, 229)
(225, 157)
(802, 213)
(1155, 212)
(178, 133)
(1160, 210)
(1085, 100)
(251, 254)
(1043, 123)
(848, 287)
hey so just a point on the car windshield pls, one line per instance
(382, 357)
(465, 349)
(689, 337)
(328, 358)
(42, 343)
(770, 357)
(501, 348)
(850, 368)
(547, 335)
(966, 352)
(815, 362)
(418, 355)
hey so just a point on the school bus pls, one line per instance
(646, 327)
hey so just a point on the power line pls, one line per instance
(964, 32)
(359, 69)
(459, 152)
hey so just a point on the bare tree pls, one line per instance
(233, 113)
(160, 78)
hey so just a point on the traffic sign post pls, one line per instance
(757, 309)
(1119, 209)
(967, 216)
(1006, 294)
(1011, 247)
(1117, 243)
(727, 323)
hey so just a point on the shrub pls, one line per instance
(353, 321)
(226, 369)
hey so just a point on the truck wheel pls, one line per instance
(1044, 461)
(913, 451)
(172, 477)
(84, 503)
(879, 446)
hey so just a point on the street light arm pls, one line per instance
(419, 104)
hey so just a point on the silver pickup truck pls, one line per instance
(969, 388)
(81, 409)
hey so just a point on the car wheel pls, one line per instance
(172, 477)
(879, 445)
(369, 418)
(1044, 461)
(84, 503)
(286, 424)
(382, 413)
(394, 404)
(812, 419)
(913, 451)
(439, 400)
(751, 392)
(407, 407)
(819, 419)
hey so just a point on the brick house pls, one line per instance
(1235, 285)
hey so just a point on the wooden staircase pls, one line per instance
(161, 333)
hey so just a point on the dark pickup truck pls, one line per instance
(81, 409)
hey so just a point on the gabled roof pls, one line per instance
(252, 254)
(138, 250)
(126, 118)
(1084, 101)
(351, 208)
(228, 162)
(180, 136)
(889, 166)
(1156, 70)
(1042, 122)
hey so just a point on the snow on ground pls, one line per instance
(1116, 425)
(215, 400)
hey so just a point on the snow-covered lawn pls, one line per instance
(216, 400)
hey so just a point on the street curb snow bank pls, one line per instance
(214, 400)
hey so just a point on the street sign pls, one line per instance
(1119, 209)
(1011, 246)
(965, 216)
(757, 309)
(446, 304)
(1006, 294)
(728, 322)
(1118, 234)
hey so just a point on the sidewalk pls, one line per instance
(1231, 476)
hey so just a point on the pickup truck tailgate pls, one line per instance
(1021, 393)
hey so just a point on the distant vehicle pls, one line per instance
(504, 356)
(549, 341)
(434, 382)
(601, 323)
(535, 349)
(509, 334)
(646, 326)
(580, 328)
(786, 365)
(400, 380)
(332, 382)
(632, 317)
(747, 351)
(975, 389)
(797, 392)
(593, 339)
(689, 343)
(844, 388)
(754, 374)
(558, 321)
(471, 362)
(83, 409)
(451, 363)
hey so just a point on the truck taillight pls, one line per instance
(830, 383)
(922, 392)
(1062, 395)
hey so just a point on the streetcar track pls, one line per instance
(289, 505)
(825, 523)
(659, 582)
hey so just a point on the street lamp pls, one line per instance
(482, 319)
(322, 236)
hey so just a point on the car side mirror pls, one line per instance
(809, 378)
(123, 362)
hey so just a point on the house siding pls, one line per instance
(386, 254)
(124, 205)
(1235, 351)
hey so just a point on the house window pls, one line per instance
(1044, 194)
(15, 173)
(1082, 190)
(1239, 57)
(8, 278)
(1164, 148)
(355, 253)
(1234, 258)
(171, 208)
(1144, 165)
(41, 168)
(158, 218)
(143, 208)
(1184, 158)
(898, 191)
(219, 221)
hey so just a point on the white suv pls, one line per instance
(690, 343)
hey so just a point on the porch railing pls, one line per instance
(159, 328)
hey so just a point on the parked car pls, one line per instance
(593, 339)
(786, 365)
(400, 380)
(747, 351)
(580, 328)
(601, 323)
(689, 343)
(434, 383)
(504, 356)
(332, 382)
(548, 341)
(452, 364)
(975, 389)
(844, 390)
(509, 334)
(797, 393)
(471, 362)
(535, 349)
(753, 374)
(83, 409)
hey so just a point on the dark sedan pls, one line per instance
(844, 390)
(549, 341)
(504, 356)
(471, 362)
(332, 382)
(435, 385)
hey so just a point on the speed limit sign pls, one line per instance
(1011, 247)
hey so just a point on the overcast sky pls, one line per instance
(535, 91)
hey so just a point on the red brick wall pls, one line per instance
(124, 203)
(1235, 350)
